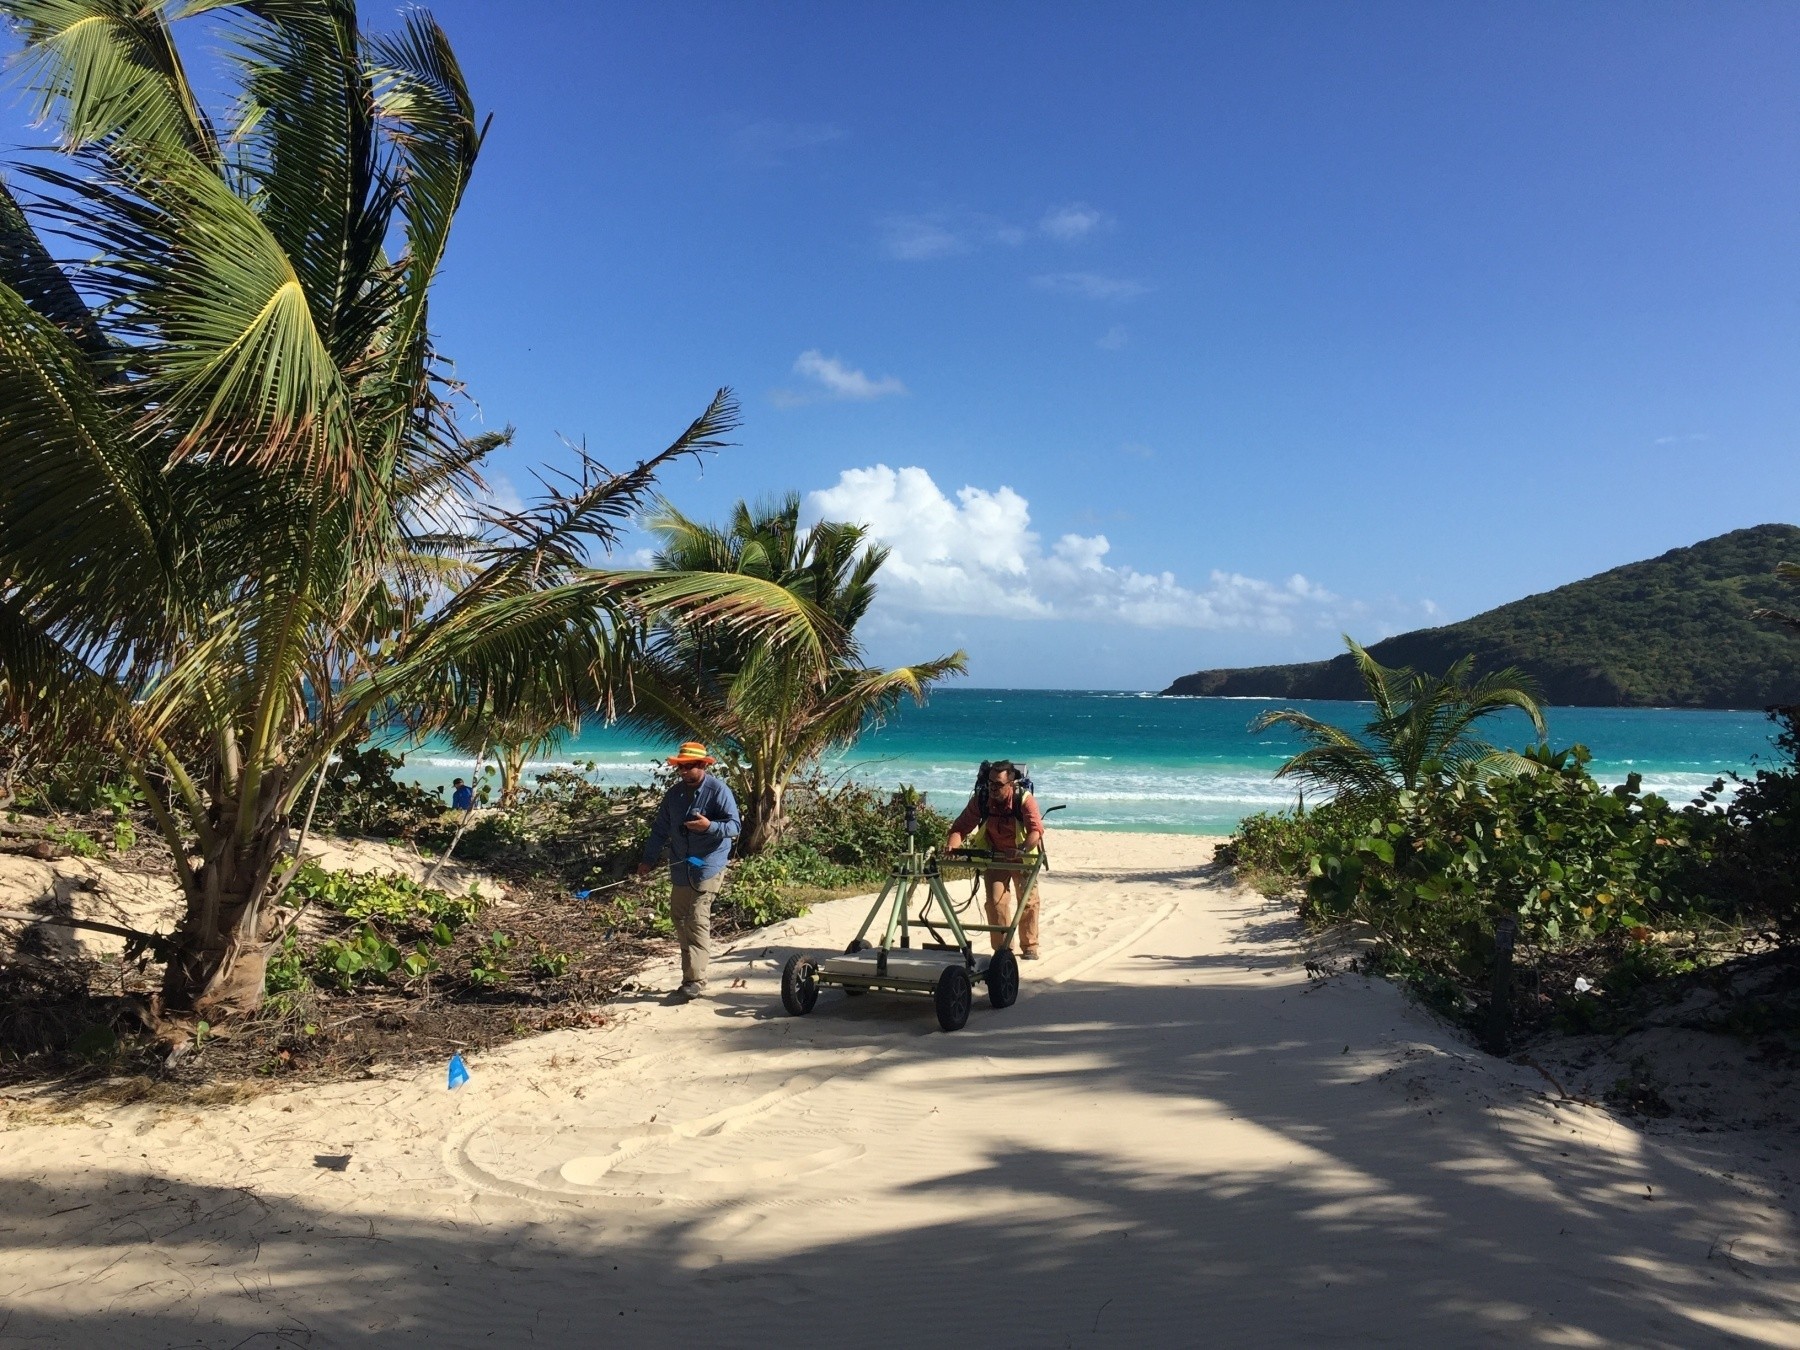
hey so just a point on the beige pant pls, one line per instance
(1002, 893)
(691, 908)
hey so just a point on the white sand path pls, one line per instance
(1174, 1138)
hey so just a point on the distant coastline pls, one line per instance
(1675, 631)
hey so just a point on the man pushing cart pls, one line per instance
(945, 967)
(1003, 816)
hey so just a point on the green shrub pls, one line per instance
(1274, 851)
(384, 909)
(1432, 872)
(1750, 870)
(364, 957)
(79, 842)
(362, 796)
(549, 965)
(756, 891)
(858, 828)
(286, 968)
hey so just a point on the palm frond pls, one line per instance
(555, 535)
(26, 266)
(111, 68)
(308, 138)
(1421, 736)
(80, 517)
(421, 96)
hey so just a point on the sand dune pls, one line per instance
(1174, 1138)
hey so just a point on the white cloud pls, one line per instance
(501, 494)
(1068, 223)
(944, 234)
(1090, 285)
(978, 556)
(921, 238)
(1113, 339)
(834, 380)
(770, 142)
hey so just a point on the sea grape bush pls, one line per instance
(362, 795)
(1750, 869)
(1567, 858)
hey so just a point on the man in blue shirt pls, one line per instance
(695, 825)
(462, 796)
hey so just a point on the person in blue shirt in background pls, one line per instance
(462, 796)
(695, 825)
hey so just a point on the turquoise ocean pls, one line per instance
(1130, 761)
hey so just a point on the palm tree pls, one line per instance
(513, 740)
(780, 705)
(1422, 736)
(239, 524)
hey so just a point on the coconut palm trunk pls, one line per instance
(220, 960)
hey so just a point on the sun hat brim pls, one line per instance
(692, 759)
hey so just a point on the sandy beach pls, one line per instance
(1177, 1136)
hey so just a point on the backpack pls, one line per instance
(984, 783)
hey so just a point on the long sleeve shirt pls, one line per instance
(694, 855)
(1004, 830)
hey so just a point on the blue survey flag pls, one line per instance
(459, 1072)
(582, 895)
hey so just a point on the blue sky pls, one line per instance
(1155, 337)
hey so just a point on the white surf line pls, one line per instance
(1099, 957)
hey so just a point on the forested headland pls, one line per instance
(1673, 631)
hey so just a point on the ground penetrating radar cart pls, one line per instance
(946, 970)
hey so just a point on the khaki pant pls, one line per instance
(1002, 894)
(691, 908)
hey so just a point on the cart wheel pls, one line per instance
(1003, 979)
(799, 985)
(954, 997)
(857, 945)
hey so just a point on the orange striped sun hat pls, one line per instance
(691, 752)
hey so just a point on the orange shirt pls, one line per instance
(1004, 831)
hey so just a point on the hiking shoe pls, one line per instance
(692, 989)
(1028, 955)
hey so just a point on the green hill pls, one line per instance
(1673, 631)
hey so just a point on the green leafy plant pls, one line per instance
(549, 965)
(286, 969)
(388, 898)
(1750, 870)
(1432, 872)
(488, 964)
(366, 956)
(363, 794)
(79, 842)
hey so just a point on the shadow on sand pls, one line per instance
(1421, 1220)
